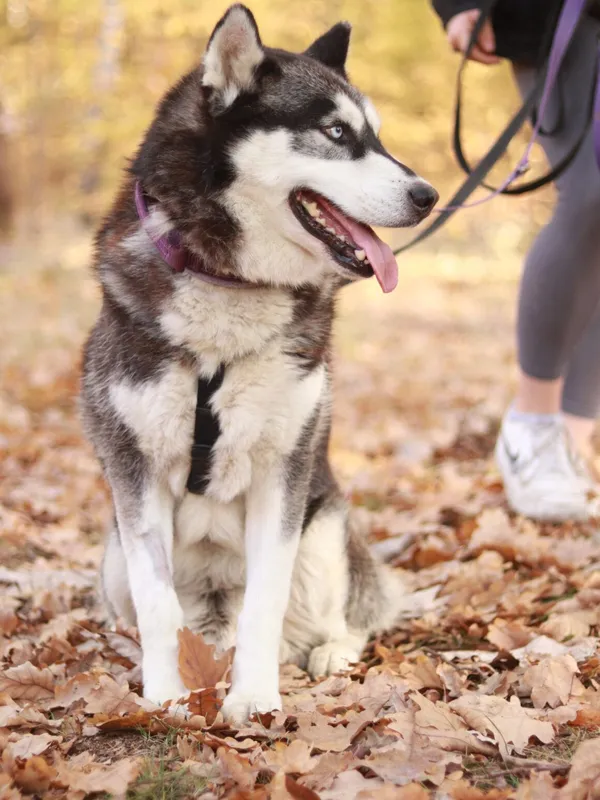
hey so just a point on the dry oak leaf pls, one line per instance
(328, 768)
(114, 699)
(412, 791)
(8, 790)
(569, 626)
(315, 729)
(552, 681)
(294, 758)
(584, 778)
(237, 768)
(204, 703)
(540, 786)
(82, 774)
(284, 787)
(76, 688)
(33, 775)
(445, 729)
(348, 784)
(399, 764)
(198, 667)
(125, 645)
(27, 682)
(421, 673)
(507, 635)
(510, 725)
(30, 745)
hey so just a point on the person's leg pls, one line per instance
(581, 394)
(560, 288)
(560, 291)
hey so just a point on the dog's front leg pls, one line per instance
(145, 522)
(272, 535)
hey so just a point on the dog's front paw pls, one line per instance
(161, 686)
(230, 474)
(331, 657)
(239, 705)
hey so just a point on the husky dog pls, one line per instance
(247, 208)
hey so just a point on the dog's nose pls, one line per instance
(423, 196)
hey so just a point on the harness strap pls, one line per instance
(206, 433)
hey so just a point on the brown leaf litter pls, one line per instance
(489, 686)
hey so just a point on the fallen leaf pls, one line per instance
(294, 758)
(584, 777)
(569, 626)
(328, 767)
(437, 723)
(238, 768)
(507, 635)
(416, 761)
(33, 775)
(27, 682)
(412, 791)
(198, 667)
(316, 731)
(125, 645)
(349, 784)
(77, 688)
(552, 681)
(82, 774)
(510, 725)
(31, 745)
(539, 786)
(114, 699)
(204, 703)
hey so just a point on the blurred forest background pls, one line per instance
(78, 83)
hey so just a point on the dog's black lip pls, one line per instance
(341, 251)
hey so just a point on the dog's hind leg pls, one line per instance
(145, 520)
(316, 628)
(340, 593)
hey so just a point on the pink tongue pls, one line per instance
(378, 252)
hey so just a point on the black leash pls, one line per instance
(476, 176)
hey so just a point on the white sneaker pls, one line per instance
(544, 477)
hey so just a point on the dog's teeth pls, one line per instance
(313, 209)
(330, 230)
(360, 255)
(342, 237)
(321, 221)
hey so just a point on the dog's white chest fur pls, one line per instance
(262, 406)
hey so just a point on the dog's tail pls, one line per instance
(380, 595)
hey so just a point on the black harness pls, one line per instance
(206, 433)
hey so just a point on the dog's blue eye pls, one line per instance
(335, 132)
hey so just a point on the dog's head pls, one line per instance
(270, 165)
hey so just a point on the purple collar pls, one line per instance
(178, 257)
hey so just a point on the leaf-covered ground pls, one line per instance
(491, 688)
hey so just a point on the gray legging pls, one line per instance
(559, 304)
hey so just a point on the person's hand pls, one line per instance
(459, 30)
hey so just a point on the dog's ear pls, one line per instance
(233, 53)
(331, 48)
